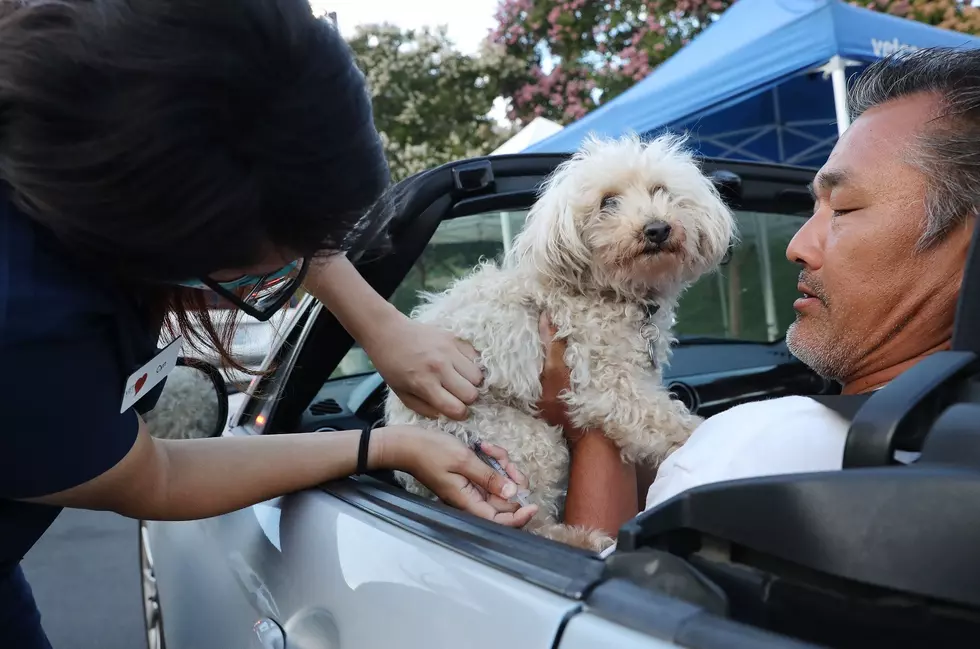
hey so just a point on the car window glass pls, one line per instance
(750, 298)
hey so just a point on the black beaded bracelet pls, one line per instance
(362, 451)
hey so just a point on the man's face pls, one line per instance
(875, 302)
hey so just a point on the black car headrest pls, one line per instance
(966, 332)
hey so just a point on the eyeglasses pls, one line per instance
(259, 296)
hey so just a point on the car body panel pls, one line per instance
(383, 586)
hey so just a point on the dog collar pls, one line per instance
(652, 308)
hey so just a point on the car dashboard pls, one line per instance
(708, 377)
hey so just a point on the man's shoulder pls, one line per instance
(773, 410)
(775, 436)
(771, 418)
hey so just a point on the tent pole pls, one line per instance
(765, 268)
(836, 67)
(723, 301)
(506, 233)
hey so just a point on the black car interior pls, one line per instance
(879, 554)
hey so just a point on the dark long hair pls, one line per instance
(163, 140)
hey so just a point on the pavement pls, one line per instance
(85, 575)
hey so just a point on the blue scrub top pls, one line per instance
(69, 339)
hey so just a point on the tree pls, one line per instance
(431, 102)
(947, 14)
(580, 53)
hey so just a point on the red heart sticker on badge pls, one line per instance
(139, 383)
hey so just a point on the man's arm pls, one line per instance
(602, 489)
(428, 368)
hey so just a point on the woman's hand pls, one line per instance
(453, 472)
(430, 370)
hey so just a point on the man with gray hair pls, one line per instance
(882, 261)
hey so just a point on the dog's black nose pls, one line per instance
(657, 231)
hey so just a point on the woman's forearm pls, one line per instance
(208, 477)
(190, 479)
(601, 487)
(358, 307)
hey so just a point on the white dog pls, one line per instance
(617, 234)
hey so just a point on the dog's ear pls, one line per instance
(551, 240)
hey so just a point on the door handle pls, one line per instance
(270, 635)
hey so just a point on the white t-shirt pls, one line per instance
(777, 436)
(772, 437)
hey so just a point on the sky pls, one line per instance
(468, 21)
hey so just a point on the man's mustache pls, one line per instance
(814, 286)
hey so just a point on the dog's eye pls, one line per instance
(607, 201)
(656, 189)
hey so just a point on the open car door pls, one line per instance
(362, 563)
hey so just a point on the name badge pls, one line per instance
(145, 378)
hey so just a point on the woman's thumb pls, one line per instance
(491, 481)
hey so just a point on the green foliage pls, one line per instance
(954, 15)
(578, 53)
(431, 102)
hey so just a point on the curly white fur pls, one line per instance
(583, 257)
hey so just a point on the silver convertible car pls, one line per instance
(877, 555)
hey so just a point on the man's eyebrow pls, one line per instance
(829, 179)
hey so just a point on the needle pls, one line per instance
(521, 497)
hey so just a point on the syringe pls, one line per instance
(522, 495)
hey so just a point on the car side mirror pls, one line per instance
(193, 403)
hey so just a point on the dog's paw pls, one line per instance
(576, 536)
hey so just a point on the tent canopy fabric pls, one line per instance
(750, 86)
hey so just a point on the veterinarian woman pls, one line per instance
(150, 151)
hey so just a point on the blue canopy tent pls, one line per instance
(765, 83)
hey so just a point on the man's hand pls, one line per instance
(430, 370)
(555, 379)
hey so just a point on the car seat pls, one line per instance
(879, 554)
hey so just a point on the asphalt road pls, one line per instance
(85, 575)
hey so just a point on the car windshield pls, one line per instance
(750, 299)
